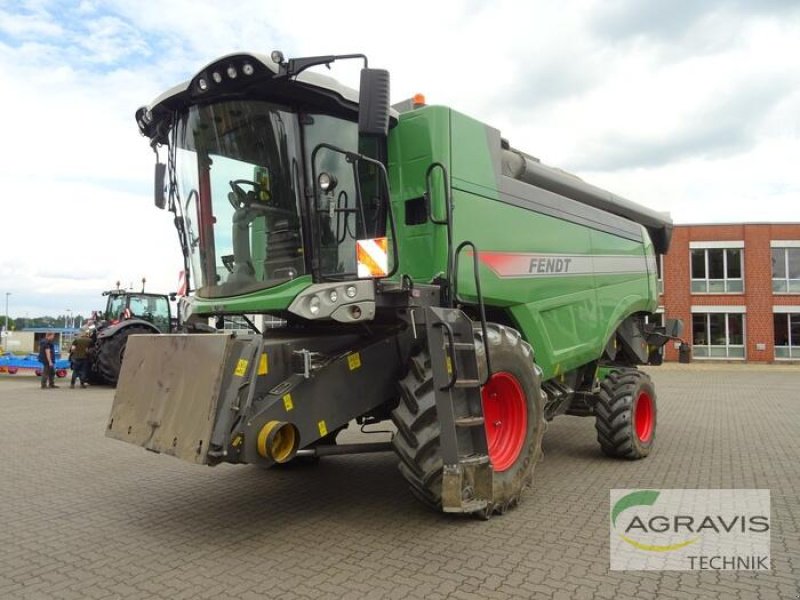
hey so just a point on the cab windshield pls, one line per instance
(116, 307)
(238, 183)
(241, 171)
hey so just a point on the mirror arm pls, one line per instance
(294, 66)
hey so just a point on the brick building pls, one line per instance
(737, 289)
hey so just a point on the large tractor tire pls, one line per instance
(625, 414)
(514, 422)
(110, 352)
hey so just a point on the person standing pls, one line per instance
(47, 356)
(79, 359)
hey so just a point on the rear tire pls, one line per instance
(110, 351)
(625, 414)
(417, 442)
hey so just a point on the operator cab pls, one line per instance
(153, 308)
(273, 172)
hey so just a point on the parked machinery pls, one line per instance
(427, 272)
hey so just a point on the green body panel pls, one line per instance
(567, 318)
(273, 299)
(420, 138)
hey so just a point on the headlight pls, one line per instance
(326, 182)
(333, 296)
(351, 291)
(313, 305)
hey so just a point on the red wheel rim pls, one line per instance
(505, 414)
(644, 417)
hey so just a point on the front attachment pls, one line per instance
(168, 392)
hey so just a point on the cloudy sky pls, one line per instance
(684, 106)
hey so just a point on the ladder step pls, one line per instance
(475, 459)
(467, 383)
(463, 346)
(469, 421)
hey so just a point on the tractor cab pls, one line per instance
(123, 306)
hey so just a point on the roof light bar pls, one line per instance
(225, 73)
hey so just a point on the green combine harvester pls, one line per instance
(424, 272)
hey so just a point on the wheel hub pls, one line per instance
(505, 414)
(643, 419)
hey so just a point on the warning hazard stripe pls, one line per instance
(372, 257)
(181, 283)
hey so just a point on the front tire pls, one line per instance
(625, 414)
(514, 422)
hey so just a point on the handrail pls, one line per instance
(447, 221)
(479, 294)
(354, 157)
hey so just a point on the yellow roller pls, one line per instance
(278, 441)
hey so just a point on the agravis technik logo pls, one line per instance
(690, 529)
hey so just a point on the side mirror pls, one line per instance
(373, 102)
(160, 198)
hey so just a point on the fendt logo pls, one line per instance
(690, 529)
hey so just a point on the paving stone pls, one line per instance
(82, 516)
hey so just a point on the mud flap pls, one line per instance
(168, 393)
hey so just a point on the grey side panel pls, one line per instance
(526, 168)
(552, 204)
(521, 182)
(530, 197)
(167, 394)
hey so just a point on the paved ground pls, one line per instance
(82, 516)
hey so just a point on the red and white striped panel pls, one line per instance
(181, 283)
(372, 257)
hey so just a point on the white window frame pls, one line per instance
(785, 245)
(707, 311)
(659, 314)
(793, 349)
(717, 245)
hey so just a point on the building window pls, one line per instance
(718, 335)
(787, 335)
(786, 270)
(717, 271)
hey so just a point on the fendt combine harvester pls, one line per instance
(426, 272)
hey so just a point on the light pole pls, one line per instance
(5, 347)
